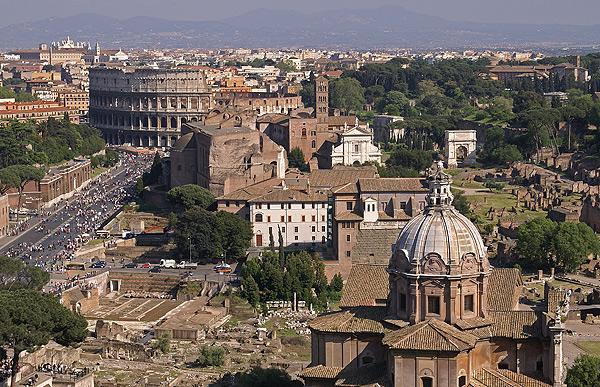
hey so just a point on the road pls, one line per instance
(55, 237)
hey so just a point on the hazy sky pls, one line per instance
(519, 11)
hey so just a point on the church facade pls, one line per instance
(436, 314)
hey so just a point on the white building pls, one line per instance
(355, 146)
(300, 216)
(461, 147)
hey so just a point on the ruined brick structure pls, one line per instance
(224, 159)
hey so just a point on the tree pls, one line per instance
(410, 158)
(163, 344)
(236, 234)
(29, 319)
(573, 243)
(534, 242)
(585, 372)
(461, 203)
(8, 180)
(14, 274)
(187, 196)
(286, 66)
(296, 160)
(543, 243)
(153, 176)
(347, 94)
(337, 283)
(210, 356)
(201, 228)
(22, 174)
(250, 290)
(266, 377)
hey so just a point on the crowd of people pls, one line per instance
(68, 225)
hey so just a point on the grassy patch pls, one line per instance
(589, 347)
(483, 202)
(95, 242)
(97, 171)
(239, 308)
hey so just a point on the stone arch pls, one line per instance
(461, 153)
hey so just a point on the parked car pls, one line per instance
(130, 265)
(187, 265)
(222, 268)
(155, 269)
(98, 265)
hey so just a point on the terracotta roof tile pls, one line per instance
(348, 215)
(367, 285)
(374, 247)
(430, 335)
(504, 288)
(516, 324)
(408, 184)
(354, 320)
(290, 195)
(486, 377)
(320, 372)
(340, 175)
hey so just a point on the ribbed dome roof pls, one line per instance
(441, 230)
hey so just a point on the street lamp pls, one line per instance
(190, 243)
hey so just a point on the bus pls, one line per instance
(75, 266)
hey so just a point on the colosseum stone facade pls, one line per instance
(144, 106)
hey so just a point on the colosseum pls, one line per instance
(145, 106)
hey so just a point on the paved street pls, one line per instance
(55, 236)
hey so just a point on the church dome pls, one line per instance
(440, 231)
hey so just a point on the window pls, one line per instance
(426, 381)
(295, 229)
(303, 218)
(323, 228)
(259, 206)
(433, 305)
(283, 229)
(282, 206)
(227, 204)
(289, 206)
(402, 302)
(313, 206)
(355, 148)
(268, 206)
(322, 218)
(403, 205)
(347, 253)
(282, 218)
(314, 229)
(313, 144)
(296, 238)
(314, 238)
(348, 238)
(258, 218)
(269, 219)
(303, 206)
(539, 366)
(469, 303)
(462, 381)
(314, 218)
(289, 218)
(349, 206)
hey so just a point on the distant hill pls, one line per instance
(384, 27)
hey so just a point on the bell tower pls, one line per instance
(321, 99)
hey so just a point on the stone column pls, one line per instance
(556, 331)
